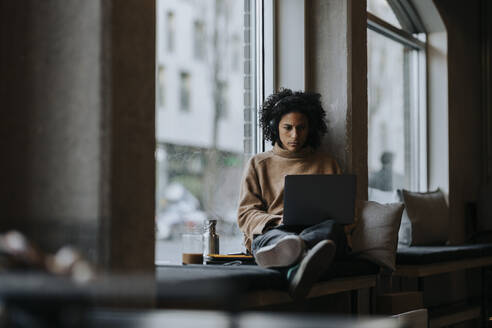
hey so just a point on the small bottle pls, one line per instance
(210, 239)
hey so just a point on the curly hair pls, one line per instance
(286, 101)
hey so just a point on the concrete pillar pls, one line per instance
(128, 208)
(337, 68)
(77, 100)
(465, 115)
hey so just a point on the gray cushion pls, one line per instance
(376, 234)
(425, 220)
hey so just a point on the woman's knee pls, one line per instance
(268, 238)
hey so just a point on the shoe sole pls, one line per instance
(284, 253)
(312, 267)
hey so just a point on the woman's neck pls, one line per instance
(303, 152)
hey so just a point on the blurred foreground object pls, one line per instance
(18, 253)
(69, 261)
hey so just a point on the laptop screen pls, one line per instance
(311, 199)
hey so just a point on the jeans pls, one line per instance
(328, 229)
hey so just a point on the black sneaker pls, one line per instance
(303, 276)
(286, 252)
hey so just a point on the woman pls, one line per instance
(295, 123)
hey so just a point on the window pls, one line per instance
(222, 88)
(184, 91)
(396, 101)
(161, 90)
(208, 129)
(199, 40)
(170, 31)
(382, 9)
(235, 51)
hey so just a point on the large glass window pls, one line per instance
(208, 128)
(396, 106)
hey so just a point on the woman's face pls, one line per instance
(293, 131)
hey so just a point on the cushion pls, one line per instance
(252, 277)
(434, 254)
(375, 237)
(425, 220)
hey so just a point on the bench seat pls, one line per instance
(434, 254)
(251, 285)
(252, 277)
(424, 261)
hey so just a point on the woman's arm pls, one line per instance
(253, 218)
(337, 168)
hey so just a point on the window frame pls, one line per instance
(418, 93)
(264, 53)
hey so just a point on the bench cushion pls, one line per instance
(434, 254)
(252, 277)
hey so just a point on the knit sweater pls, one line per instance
(261, 200)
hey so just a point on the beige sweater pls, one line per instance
(261, 200)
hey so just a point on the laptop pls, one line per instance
(312, 199)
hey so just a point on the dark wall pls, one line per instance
(466, 158)
(485, 204)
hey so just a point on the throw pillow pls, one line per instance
(425, 220)
(375, 237)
